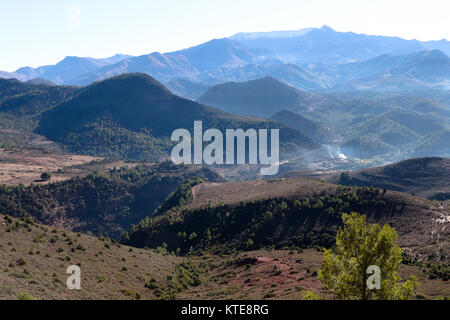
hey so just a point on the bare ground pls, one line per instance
(26, 166)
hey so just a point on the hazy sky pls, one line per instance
(43, 32)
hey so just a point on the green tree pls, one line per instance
(268, 216)
(345, 178)
(24, 296)
(46, 176)
(358, 246)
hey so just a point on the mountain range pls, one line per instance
(130, 116)
(311, 59)
(370, 96)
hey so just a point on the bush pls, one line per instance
(46, 176)
(24, 296)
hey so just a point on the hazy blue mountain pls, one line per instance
(383, 83)
(414, 71)
(67, 69)
(379, 65)
(362, 103)
(12, 75)
(327, 45)
(262, 98)
(365, 147)
(187, 89)
(431, 66)
(306, 126)
(436, 144)
(309, 59)
(291, 74)
(188, 63)
(39, 81)
(161, 67)
(428, 65)
(223, 53)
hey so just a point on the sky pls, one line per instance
(43, 32)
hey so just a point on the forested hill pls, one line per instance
(427, 177)
(288, 213)
(132, 116)
(100, 203)
(21, 103)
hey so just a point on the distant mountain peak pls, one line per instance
(71, 58)
(327, 28)
(435, 54)
(271, 34)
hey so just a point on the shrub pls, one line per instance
(24, 296)
(46, 176)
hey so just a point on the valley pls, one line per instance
(88, 176)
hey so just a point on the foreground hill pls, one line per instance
(133, 116)
(262, 98)
(427, 177)
(290, 213)
(35, 258)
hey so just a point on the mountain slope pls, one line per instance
(365, 147)
(34, 260)
(133, 116)
(223, 53)
(432, 66)
(159, 66)
(428, 177)
(428, 68)
(292, 74)
(409, 121)
(186, 88)
(39, 81)
(68, 68)
(436, 144)
(289, 213)
(262, 98)
(306, 126)
(318, 45)
(100, 203)
(187, 63)
(22, 103)
(12, 75)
